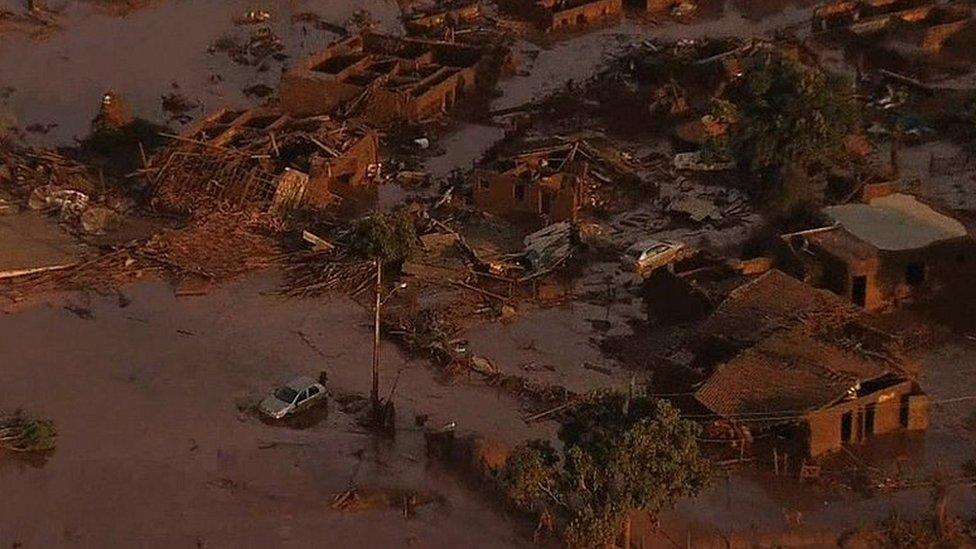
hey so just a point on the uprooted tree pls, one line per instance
(792, 120)
(621, 455)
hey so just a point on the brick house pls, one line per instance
(385, 79)
(890, 248)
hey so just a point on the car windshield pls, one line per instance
(286, 394)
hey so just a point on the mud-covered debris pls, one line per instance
(252, 17)
(20, 433)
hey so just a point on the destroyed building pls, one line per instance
(923, 24)
(385, 79)
(884, 250)
(804, 361)
(264, 157)
(544, 184)
(563, 15)
(435, 17)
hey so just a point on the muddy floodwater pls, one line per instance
(158, 446)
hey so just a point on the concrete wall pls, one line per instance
(585, 14)
(886, 275)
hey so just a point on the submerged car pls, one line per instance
(298, 394)
(647, 256)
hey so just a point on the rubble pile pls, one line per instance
(318, 273)
(216, 245)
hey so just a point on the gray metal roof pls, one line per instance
(896, 222)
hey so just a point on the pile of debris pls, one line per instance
(19, 433)
(262, 158)
(216, 245)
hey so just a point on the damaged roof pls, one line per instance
(772, 301)
(785, 375)
(896, 222)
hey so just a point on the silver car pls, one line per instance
(298, 394)
(649, 255)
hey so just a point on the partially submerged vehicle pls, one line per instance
(295, 396)
(647, 256)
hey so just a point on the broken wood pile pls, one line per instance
(104, 273)
(25, 169)
(354, 500)
(318, 273)
(19, 433)
(217, 245)
(190, 174)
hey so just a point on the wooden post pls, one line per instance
(775, 462)
(375, 393)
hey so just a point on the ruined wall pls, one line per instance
(585, 14)
(305, 94)
(506, 194)
(824, 430)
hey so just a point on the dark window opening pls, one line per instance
(846, 424)
(903, 411)
(859, 290)
(915, 274)
(520, 192)
(546, 204)
(869, 420)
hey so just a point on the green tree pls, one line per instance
(620, 455)
(794, 120)
(390, 236)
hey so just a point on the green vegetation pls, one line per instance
(20, 433)
(620, 455)
(792, 123)
(391, 237)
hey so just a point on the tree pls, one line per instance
(620, 455)
(794, 119)
(390, 236)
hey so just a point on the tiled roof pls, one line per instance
(774, 301)
(783, 376)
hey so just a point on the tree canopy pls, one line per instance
(620, 455)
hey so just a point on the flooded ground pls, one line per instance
(761, 502)
(155, 449)
(159, 49)
(157, 444)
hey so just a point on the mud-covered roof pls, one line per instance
(773, 301)
(785, 376)
(896, 222)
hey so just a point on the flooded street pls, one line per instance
(155, 449)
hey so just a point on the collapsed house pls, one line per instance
(804, 362)
(924, 24)
(544, 184)
(386, 79)
(264, 157)
(435, 17)
(890, 248)
(563, 15)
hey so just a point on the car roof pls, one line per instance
(642, 245)
(300, 383)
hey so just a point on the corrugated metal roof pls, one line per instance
(896, 222)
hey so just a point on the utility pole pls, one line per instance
(375, 394)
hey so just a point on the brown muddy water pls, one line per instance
(152, 51)
(155, 450)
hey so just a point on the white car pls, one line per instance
(647, 256)
(298, 394)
